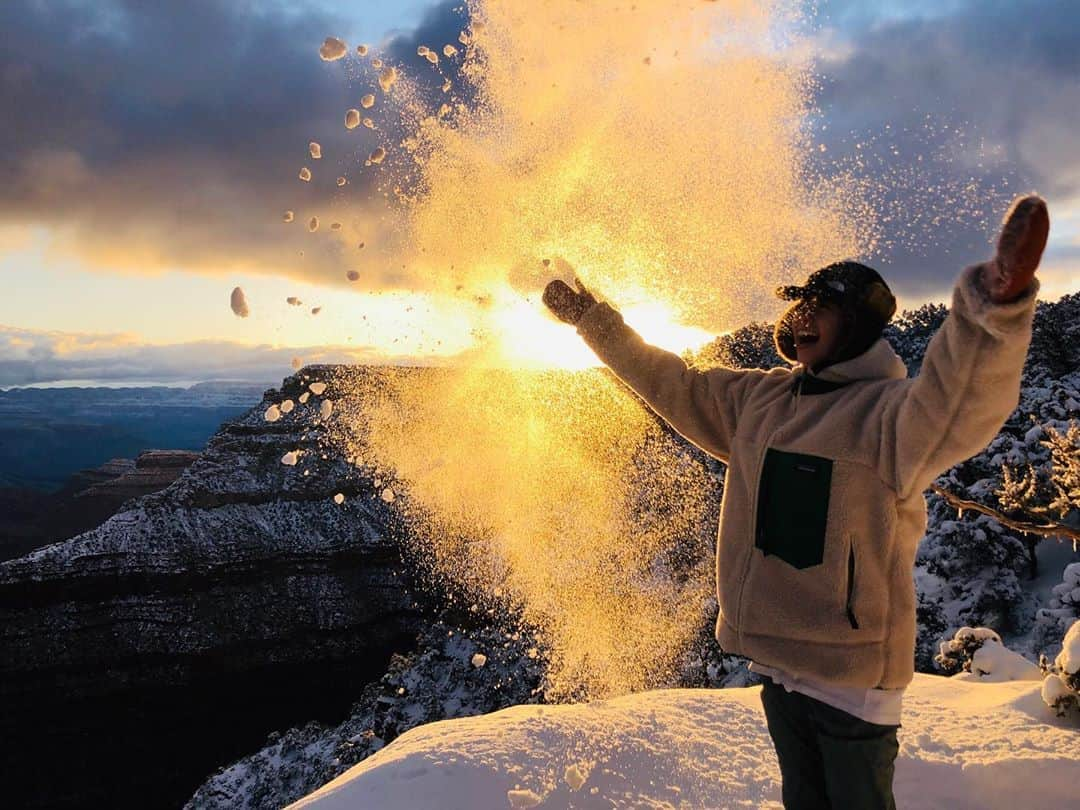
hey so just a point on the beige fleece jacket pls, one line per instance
(823, 506)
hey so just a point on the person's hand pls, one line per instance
(567, 305)
(1019, 248)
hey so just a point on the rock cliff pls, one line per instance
(241, 598)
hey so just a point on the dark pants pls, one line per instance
(829, 758)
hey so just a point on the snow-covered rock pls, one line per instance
(962, 744)
(994, 662)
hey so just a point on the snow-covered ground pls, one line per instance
(963, 743)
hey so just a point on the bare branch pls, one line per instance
(1047, 529)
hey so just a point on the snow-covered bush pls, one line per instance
(956, 654)
(1061, 688)
(1063, 608)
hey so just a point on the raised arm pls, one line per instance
(701, 405)
(970, 378)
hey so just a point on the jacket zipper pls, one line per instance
(753, 512)
(850, 606)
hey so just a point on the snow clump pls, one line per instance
(316, 150)
(478, 660)
(361, 50)
(353, 275)
(523, 798)
(1069, 657)
(326, 408)
(292, 300)
(332, 49)
(575, 776)
(288, 216)
(238, 302)
(317, 388)
(339, 499)
(378, 155)
(994, 662)
(305, 174)
(273, 413)
(1061, 689)
(313, 224)
(287, 406)
(387, 495)
(352, 118)
(368, 101)
(387, 78)
(290, 458)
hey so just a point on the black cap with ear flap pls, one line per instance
(864, 298)
(784, 336)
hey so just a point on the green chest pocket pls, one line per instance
(793, 507)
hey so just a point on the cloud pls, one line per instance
(162, 135)
(982, 101)
(170, 135)
(30, 356)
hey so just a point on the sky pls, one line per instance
(149, 150)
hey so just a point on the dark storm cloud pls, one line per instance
(172, 133)
(1007, 74)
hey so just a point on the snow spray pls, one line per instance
(656, 148)
(661, 148)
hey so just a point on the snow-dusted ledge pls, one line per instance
(964, 743)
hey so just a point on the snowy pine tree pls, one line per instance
(1062, 611)
(910, 333)
(748, 346)
(969, 572)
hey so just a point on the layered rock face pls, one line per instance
(152, 471)
(175, 636)
(30, 519)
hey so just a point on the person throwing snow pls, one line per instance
(823, 501)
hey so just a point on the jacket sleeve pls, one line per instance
(701, 405)
(968, 385)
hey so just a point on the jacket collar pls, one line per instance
(879, 362)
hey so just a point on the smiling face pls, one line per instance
(816, 327)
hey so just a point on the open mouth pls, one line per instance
(805, 338)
